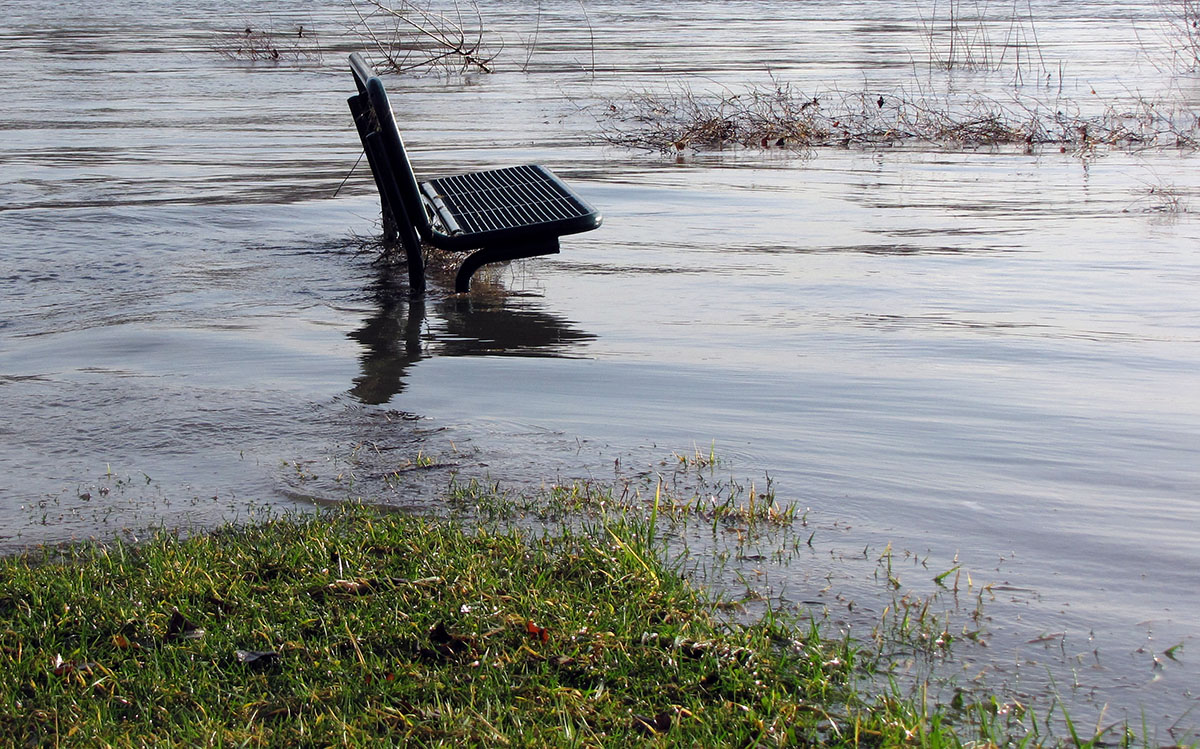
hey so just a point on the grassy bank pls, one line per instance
(355, 626)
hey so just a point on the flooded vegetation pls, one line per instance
(953, 334)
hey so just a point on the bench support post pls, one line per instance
(480, 258)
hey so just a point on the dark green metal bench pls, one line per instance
(501, 214)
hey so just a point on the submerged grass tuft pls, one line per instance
(353, 627)
(724, 505)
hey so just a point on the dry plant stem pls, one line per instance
(961, 35)
(533, 40)
(1183, 18)
(420, 37)
(591, 35)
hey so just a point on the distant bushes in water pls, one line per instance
(988, 40)
(403, 35)
(775, 115)
(410, 35)
(291, 44)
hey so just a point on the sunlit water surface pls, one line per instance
(981, 358)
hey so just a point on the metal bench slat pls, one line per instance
(510, 198)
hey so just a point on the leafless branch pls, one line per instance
(408, 36)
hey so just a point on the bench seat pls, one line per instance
(507, 204)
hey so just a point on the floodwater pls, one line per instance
(978, 357)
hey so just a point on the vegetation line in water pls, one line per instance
(778, 116)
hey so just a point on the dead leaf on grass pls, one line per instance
(257, 658)
(660, 723)
(179, 628)
(357, 587)
(446, 643)
(66, 668)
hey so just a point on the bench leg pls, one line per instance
(480, 258)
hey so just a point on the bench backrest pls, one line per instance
(388, 136)
(362, 71)
(394, 177)
(403, 213)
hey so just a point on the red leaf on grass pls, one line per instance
(536, 632)
(369, 679)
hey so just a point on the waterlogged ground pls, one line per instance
(976, 358)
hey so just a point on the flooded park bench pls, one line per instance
(497, 215)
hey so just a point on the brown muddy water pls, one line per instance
(971, 356)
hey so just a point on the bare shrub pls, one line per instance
(777, 116)
(957, 39)
(293, 44)
(1159, 197)
(681, 119)
(409, 36)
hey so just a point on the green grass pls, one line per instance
(355, 626)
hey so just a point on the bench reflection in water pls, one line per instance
(406, 329)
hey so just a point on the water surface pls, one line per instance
(982, 357)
